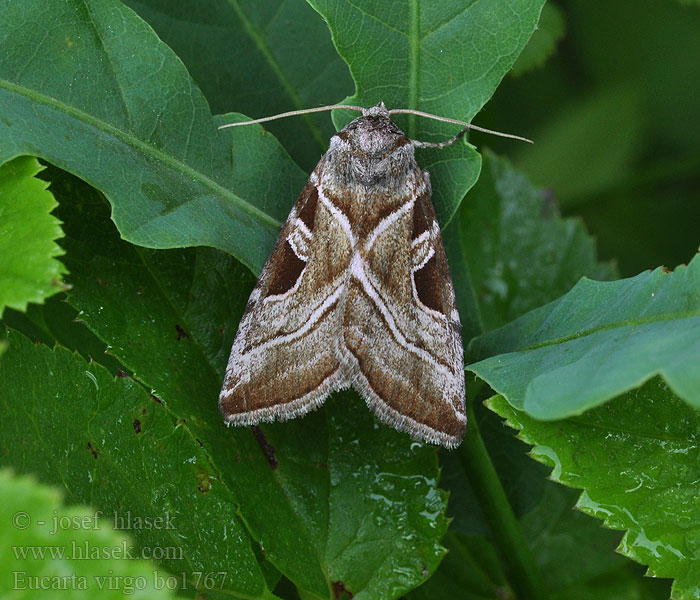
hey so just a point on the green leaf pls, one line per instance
(472, 569)
(112, 445)
(637, 461)
(446, 58)
(166, 170)
(556, 533)
(519, 252)
(42, 542)
(375, 512)
(351, 501)
(29, 271)
(132, 123)
(598, 341)
(57, 322)
(260, 59)
(543, 42)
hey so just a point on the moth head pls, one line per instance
(376, 123)
(377, 110)
(373, 133)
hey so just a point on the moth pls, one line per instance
(356, 293)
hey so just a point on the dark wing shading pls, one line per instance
(401, 327)
(283, 361)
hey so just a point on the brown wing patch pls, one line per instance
(282, 362)
(308, 212)
(421, 221)
(286, 271)
(407, 360)
(429, 285)
(287, 267)
(404, 390)
(431, 278)
(286, 386)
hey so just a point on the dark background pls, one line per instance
(615, 114)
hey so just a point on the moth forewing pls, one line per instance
(282, 362)
(357, 292)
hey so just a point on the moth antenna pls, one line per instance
(293, 113)
(452, 140)
(467, 127)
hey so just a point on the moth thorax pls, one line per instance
(371, 150)
(375, 135)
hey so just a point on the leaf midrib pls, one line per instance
(579, 422)
(256, 37)
(142, 147)
(616, 325)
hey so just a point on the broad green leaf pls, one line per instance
(519, 252)
(115, 446)
(637, 461)
(446, 58)
(56, 322)
(351, 502)
(598, 341)
(260, 59)
(576, 555)
(29, 269)
(472, 569)
(543, 42)
(99, 95)
(375, 512)
(42, 545)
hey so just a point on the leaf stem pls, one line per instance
(522, 573)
